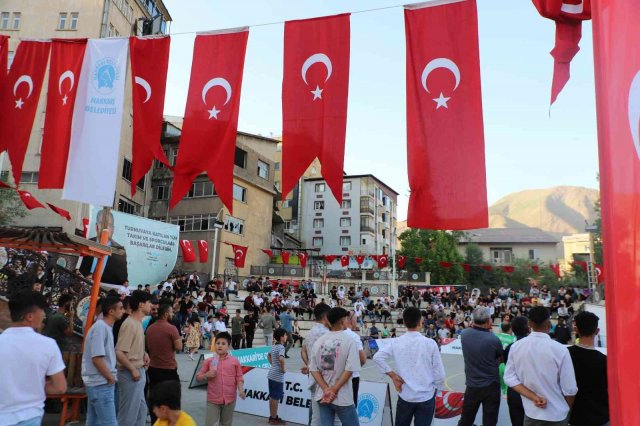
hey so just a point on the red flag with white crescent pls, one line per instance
(302, 257)
(188, 255)
(203, 250)
(616, 37)
(268, 252)
(62, 212)
(383, 261)
(448, 404)
(344, 260)
(240, 253)
(599, 273)
(64, 74)
(360, 258)
(329, 258)
(401, 261)
(208, 140)
(149, 63)
(445, 131)
(285, 257)
(19, 97)
(29, 201)
(315, 88)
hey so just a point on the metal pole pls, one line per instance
(215, 252)
(97, 273)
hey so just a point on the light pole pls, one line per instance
(217, 225)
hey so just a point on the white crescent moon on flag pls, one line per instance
(68, 74)
(23, 79)
(633, 111)
(440, 63)
(145, 85)
(238, 254)
(315, 58)
(574, 9)
(218, 81)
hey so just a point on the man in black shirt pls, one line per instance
(250, 327)
(562, 334)
(591, 407)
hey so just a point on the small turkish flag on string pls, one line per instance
(29, 200)
(418, 260)
(240, 253)
(486, 267)
(315, 87)
(383, 260)
(445, 132)
(268, 252)
(599, 273)
(203, 249)
(536, 269)
(344, 260)
(62, 212)
(360, 258)
(208, 140)
(556, 269)
(85, 227)
(4, 185)
(4, 57)
(466, 267)
(188, 255)
(64, 74)
(302, 256)
(19, 97)
(401, 261)
(149, 63)
(508, 269)
(329, 258)
(446, 265)
(285, 257)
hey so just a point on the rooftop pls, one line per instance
(508, 235)
(357, 177)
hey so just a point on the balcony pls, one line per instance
(367, 228)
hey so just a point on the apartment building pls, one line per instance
(201, 209)
(364, 223)
(78, 19)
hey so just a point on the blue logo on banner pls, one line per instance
(368, 408)
(105, 74)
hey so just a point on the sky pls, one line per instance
(528, 145)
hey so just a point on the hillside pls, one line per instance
(561, 210)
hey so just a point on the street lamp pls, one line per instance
(217, 226)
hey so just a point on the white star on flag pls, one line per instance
(213, 113)
(317, 94)
(19, 103)
(441, 101)
(64, 100)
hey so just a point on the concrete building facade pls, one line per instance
(79, 19)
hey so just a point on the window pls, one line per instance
(277, 166)
(201, 189)
(287, 203)
(126, 170)
(234, 225)
(384, 217)
(74, 21)
(29, 177)
(287, 225)
(501, 255)
(279, 147)
(198, 222)
(62, 21)
(240, 193)
(318, 223)
(345, 221)
(318, 205)
(364, 241)
(127, 206)
(174, 156)
(319, 187)
(346, 204)
(263, 170)
(384, 233)
(346, 186)
(160, 192)
(317, 241)
(16, 20)
(159, 164)
(111, 31)
(533, 254)
(141, 182)
(4, 21)
(240, 158)
(345, 241)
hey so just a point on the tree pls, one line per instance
(433, 247)
(11, 207)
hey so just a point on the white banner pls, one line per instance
(374, 405)
(97, 121)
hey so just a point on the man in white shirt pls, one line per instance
(416, 382)
(220, 325)
(355, 376)
(320, 328)
(31, 366)
(231, 287)
(540, 369)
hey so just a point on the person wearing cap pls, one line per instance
(334, 359)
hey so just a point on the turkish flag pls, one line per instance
(344, 260)
(446, 265)
(445, 133)
(62, 212)
(188, 255)
(535, 268)
(4, 185)
(556, 269)
(85, 227)
(616, 37)
(329, 258)
(29, 200)
(4, 57)
(208, 140)
(466, 267)
(315, 87)
(302, 256)
(383, 260)
(19, 100)
(448, 404)
(149, 63)
(418, 260)
(64, 74)
(508, 269)
(568, 15)
(360, 258)
(401, 261)
(486, 267)
(240, 253)
(268, 252)
(285, 257)
(203, 250)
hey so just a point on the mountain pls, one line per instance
(561, 210)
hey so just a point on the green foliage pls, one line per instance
(433, 247)
(11, 207)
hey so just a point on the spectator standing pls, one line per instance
(591, 407)
(223, 374)
(482, 352)
(355, 376)
(374, 333)
(548, 392)
(276, 375)
(237, 326)
(520, 327)
(320, 328)
(250, 324)
(268, 324)
(99, 365)
(193, 335)
(31, 366)
(416, 382)
(59, 325)
(286, 322)
(164, 401)
(163, 340)
(131, 362)
(334, 358)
